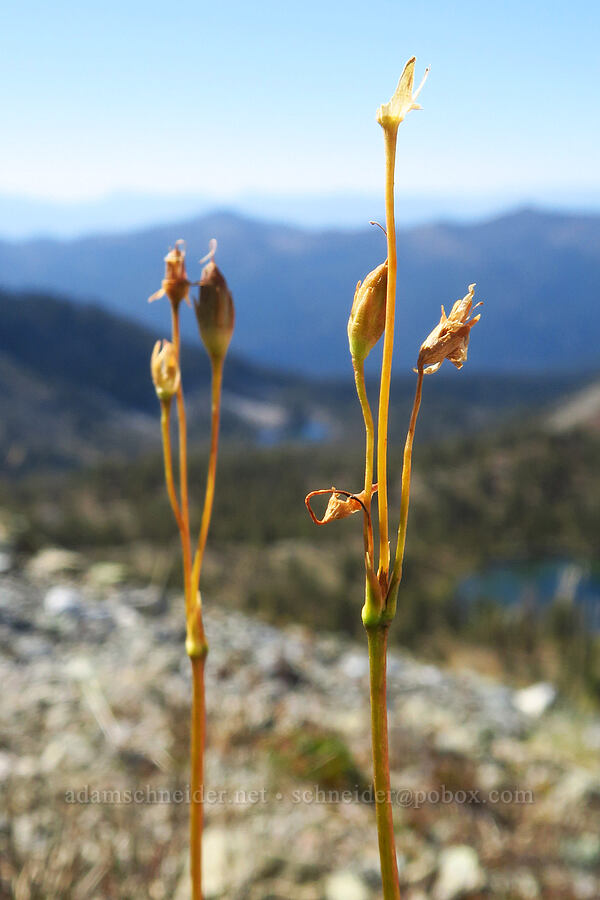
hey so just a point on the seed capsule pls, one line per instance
(175, 284)
(389, 115)
(367, 316)
(450, 337)
(215, 312)
(165, 370)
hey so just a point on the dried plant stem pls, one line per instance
(361, 390)
(377, 636)
(197, 741)
(390, 136)
(216, 390)
(183, 476)
(196, 645)
(405, 499)
(165, 427)
(198, 736)
(377, 631)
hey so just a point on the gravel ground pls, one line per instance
(497, 792)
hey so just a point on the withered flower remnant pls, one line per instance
(214, 310)
(165, 370)
(389, 115)
(367, 316)
(341, 504)
(450, 337)
(175, 285)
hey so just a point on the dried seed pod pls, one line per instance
(175, 285)
(450, 337)
(404, 99)
(367, 316)
(214, 310)
(165, 370)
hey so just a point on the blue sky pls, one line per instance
(231, 97)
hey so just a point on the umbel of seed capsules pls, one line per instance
(215, 311)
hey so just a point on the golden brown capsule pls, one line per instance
(165, 370)
(367, 316)
(450, 337)
(175, 285)
(214, 311)
(404, 99)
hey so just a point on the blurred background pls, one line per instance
(128, 126)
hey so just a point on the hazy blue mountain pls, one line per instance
(539, 274)
(24, 217)
(75, 387)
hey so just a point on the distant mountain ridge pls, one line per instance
(23, 217)
(539, 274)
(75, 388)
(26, 218)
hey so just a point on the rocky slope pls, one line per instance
(497, 792)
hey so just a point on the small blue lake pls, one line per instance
(536, 585)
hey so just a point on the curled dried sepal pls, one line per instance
(450, 337)
(389, 115)
(165, 370)
(214, 309)
(175, 285)
(341, 504)
(367, 316)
